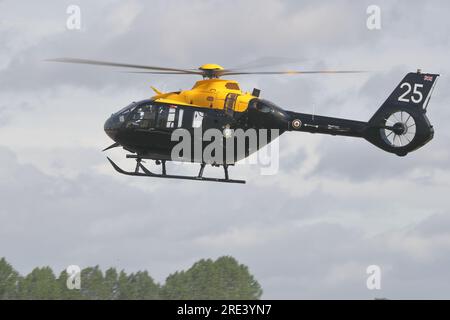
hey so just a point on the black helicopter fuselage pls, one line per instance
(146, 127)
(149, 128)
(399, 126)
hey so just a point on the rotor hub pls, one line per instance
(399, 128)
(211, 70)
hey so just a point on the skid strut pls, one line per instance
(141, 171)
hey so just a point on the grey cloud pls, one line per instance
(360, 161)
(435, 226)
(329, 261)
(72, 214)
(176, 39)
(304, 235)
(95, 219)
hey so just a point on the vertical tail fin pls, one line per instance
(400, 125)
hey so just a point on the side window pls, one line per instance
(230, 100)
(263, 107)
(180, 118)
(198, 119)
(171, 117)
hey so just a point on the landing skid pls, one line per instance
(142, 171)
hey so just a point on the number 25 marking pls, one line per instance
(416, 92)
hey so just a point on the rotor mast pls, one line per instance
(211, 70)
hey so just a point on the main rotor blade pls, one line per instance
(296, 72)
(121, 65)
(263, 62)
(155, 72)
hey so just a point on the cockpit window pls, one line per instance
(162, 117)
(148, 115)
(127, 109)
(144, 116)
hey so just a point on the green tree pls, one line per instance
(224, 278)
(137, 286)
(111, 284)
(92, 284)
(39, 284)
(9, 281)
(65, 292)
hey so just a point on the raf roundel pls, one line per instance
(296, 124)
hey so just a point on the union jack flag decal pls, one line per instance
(428, 78)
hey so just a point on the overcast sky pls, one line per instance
(336, 206)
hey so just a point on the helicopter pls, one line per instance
(145, 128)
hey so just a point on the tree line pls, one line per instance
(223, 278)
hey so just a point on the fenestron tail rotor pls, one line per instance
(399, 130)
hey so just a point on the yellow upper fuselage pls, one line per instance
(208, 93)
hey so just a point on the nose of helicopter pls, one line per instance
(112, 126)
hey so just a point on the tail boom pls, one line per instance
(399, 126)
(326, 125)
